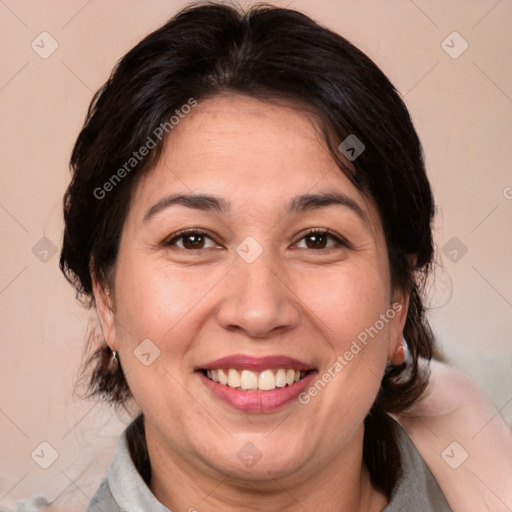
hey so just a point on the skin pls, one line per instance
(295, 299)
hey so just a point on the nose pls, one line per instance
(257, 299)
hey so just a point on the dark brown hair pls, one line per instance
(268, 53)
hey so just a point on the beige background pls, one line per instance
(462, 109)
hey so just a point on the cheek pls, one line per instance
(154, 308)
(348, 307)
(152, 300)
(169, 308)
(346, 300)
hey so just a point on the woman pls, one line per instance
(251, 218)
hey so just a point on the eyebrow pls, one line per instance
(201, 202)
(216, 204)
(309, 202)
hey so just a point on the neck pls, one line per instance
(341, 482)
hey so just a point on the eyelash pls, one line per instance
(340, 241)
(321, 231)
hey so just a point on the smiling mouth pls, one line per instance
(247, 380)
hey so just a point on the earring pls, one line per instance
(405, 349)
(401, 357)
(401, 354)
(114, 356)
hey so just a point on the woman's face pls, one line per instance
(248, 291)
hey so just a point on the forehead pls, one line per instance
(243, 136)
(257, 154)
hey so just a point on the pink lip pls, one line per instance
(257, 401)
(245, 362)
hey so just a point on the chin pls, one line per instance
(257, 459)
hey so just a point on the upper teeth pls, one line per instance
(264, 381)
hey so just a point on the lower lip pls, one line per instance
(258, 401)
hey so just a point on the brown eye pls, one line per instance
(190, 240)
(322, 239)
(193, 241)
(316, 241)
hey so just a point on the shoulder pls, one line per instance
(417, 488)
(463, 439)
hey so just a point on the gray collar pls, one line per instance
(127, 486)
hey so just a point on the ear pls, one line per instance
(103, 298)
(400, 303)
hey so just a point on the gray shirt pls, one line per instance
(124, 490)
